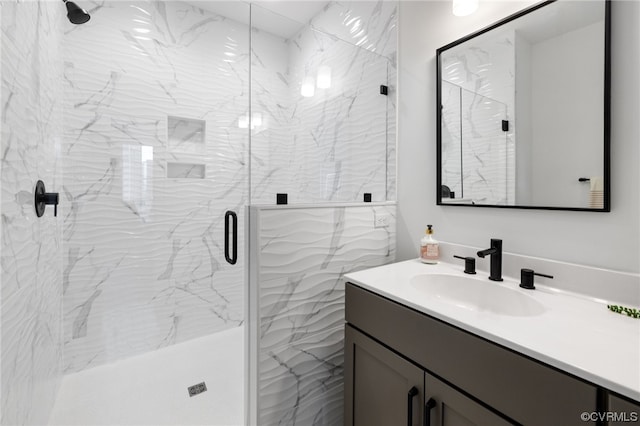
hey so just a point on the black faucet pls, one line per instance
(496, 259)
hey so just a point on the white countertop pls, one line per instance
(576, 333)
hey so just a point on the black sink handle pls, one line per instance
(469, 264)
(526, 278)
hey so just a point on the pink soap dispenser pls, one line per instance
(429, 247)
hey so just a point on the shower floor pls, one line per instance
(151, 389)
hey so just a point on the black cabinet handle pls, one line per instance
(427, 411)
(230, 216)
(412, 393)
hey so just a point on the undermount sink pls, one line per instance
(477, 295)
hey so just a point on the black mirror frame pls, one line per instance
(607, 112)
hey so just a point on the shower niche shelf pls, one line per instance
(186, 135)
(186, 171)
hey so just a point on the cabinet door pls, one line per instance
(381, 388)
(446, 406)
(622, 411)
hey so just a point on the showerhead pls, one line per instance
(75, 13)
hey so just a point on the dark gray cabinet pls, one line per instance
(471, 379)
(453, 408)
(383, 389)
(622, 411)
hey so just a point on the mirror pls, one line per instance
(524, 111)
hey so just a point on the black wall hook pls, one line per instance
(42, 198)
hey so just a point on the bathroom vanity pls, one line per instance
(432, 357)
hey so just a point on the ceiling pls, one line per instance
(300, 11)
(283, 18)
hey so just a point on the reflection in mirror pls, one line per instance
(524, 104)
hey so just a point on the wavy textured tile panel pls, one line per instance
(32, 355)
(178, 277)
(144, 252)
(31, 261)
(295, 241)
(370, 25)
(293, 377)
(484, 148)
(294, 308)
(326, 410)
(303, 255)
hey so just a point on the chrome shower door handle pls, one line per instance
(231, 220)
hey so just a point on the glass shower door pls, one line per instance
(155, 184)
(321, 126)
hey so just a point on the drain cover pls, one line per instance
(196, 389)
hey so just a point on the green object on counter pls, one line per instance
(631, 312)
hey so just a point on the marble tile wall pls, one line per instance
(338, 143)
(371, 25)
(475, 149)
(478, 158)
(144, 266)
(332, 146)
(138, 264)
(31, 258)
(153, 159)
(300, 257)
(392, 130)
(484, 149)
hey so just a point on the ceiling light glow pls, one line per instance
(464, 7)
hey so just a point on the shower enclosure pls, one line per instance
(159, 123)
(478, 157)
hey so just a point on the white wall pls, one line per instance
(523, 125)
(609, 240)
(557, 79)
